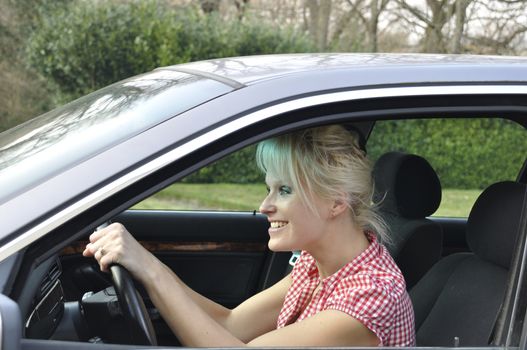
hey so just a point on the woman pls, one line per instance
(345, 289)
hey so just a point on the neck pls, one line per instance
(343, 242)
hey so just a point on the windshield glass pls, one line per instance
(63, 137)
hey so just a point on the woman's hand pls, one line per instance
(115, 245)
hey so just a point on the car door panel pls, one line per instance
(219, 254)
(222, 255)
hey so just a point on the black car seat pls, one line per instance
(408, 190)
(460, 297)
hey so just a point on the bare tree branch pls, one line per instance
(414, 11)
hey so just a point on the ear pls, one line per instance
(339, 206)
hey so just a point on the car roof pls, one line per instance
(255, 69)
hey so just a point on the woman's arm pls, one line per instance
(199, 322)
(328, 328)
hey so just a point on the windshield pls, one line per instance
(37, 149)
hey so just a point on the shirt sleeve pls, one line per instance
(369, 300)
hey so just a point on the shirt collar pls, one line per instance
(351, 267)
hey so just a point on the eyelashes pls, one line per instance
(282, 190)
(285, 190)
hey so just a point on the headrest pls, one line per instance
(406, 185)
(493, 222)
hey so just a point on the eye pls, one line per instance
(284, 190)
(268, 189)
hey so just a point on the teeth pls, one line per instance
(278, 224)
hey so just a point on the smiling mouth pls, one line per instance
(278, 224)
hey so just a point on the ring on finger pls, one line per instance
(101, 251)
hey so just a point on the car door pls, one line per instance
(218, 245)
(179, 237)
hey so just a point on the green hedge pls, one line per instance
(239, 167)
(90, 44)
(466, 153)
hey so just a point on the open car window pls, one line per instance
(467, 154)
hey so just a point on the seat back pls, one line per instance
(460, 297)
(409, 190)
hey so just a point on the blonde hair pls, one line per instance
(325, 161)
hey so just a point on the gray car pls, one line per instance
(87, 163)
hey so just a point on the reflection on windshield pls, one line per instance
(92, 110)
(97, 121)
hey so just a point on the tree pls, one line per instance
(23, 93)
(459, 26)
(433, 19)
(369, 12)
(318, 21)
(498, 27)
(89, 45)
(460, 8)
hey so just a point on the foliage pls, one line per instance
(466, 153)
(23, 93)
(90, 44)
(239, 167)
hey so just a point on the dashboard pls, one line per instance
(47, 304)
(95, 318)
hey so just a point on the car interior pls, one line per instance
(409, 191)
(459, 270)
(463, 292)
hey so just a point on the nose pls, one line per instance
(267, 206)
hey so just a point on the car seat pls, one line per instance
(408, 190)
(458, 300)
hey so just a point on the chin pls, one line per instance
(278, 247)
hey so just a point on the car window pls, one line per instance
(467, 154)
(233, 183)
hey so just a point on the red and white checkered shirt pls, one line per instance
(370, 288)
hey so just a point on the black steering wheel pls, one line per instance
(139, 324)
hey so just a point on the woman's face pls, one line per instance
(293, 226)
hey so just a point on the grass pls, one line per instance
(457, 203)
(247, 197)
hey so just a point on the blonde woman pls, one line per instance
(345, 289)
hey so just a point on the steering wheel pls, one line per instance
(133, 308)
